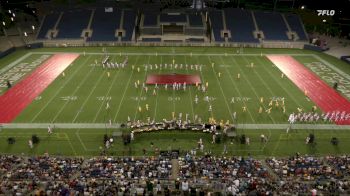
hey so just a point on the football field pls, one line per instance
(244, 88)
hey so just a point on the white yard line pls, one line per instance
(237, 89)
(251, 86)
(277, 144)
(82, 143)
(87, 99)
(190, 89)
(206, 93)
(107, 94)
(80, 140)
(155, 108)
(141, 88)
(126, 88)
(222, 91)
(59, 89)
(74, 92)
(71, 145)
(289, 94)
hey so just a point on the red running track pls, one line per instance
(318, 91)
(13, 102)
(172, 78)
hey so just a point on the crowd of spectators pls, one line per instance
(188, 175)
(46, 168)
(305, 168)
(220, 167)
(341, 163)
(127, 168)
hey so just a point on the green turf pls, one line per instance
(89, 89)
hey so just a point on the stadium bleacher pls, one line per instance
(216, 25)
(129, 24)
(150, 19)
(195, 20)
(232, 24)
(155, 175)
(241, 25)
(173, 18)
(150, 39)
(104, 25)
(195, 40)
(296, 25)
(72, 24)
(48, 23)
(272, 25)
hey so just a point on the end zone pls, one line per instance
(16, 99)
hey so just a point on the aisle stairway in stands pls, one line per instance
(175, 168)
(90, 20)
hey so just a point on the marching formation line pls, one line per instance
(117, 125)
(206, 92)
(190, 89)
(126, 88)
(155, 108)
(222, 91)
(107, 95)
(140, 95)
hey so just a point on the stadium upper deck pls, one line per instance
(217, 26)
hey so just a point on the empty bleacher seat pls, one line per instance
(129, 24)
(173, 18)
(72, 24)
(296, 25)
(150, 19)
(48, 23)
(151, 39)
(217, 25)
(104, 24)
(241, 25)
(195, 40)
(272, 24)
(195, 20)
